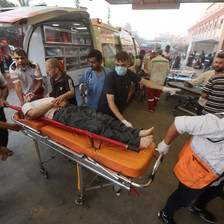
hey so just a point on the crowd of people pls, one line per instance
(200, 167)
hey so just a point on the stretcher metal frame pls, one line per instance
(116, 179)
(191, 96)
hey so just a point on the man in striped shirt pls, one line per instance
(214, 89)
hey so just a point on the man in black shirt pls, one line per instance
(117, 85)
(62, 84)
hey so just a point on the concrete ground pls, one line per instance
(27, 197)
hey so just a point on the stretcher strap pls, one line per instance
(80, 131)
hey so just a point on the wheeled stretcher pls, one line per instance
(117, 164)
(191, 95)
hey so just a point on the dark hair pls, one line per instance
(168, 46)
(142, 51)
(95, 54)
(20, 52)
(122, 56)
(220, 55)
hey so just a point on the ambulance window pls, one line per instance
(55, 36)
(109, 52)
(118, 48)
(81, 38)
(129, 49)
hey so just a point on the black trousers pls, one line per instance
(209, 194)
(3, 132)
(199, 109)
(8, 61)
(88, 119)
(2, 67)
(184, 195)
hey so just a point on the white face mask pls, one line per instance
(120, 70)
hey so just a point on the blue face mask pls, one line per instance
(24, 68)
(120, 70)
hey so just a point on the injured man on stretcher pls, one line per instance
(88, 119)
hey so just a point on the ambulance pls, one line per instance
(67, 34)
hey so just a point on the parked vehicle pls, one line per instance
(67, 34)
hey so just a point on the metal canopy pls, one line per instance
(157, 4)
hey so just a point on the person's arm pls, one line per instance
(188, 84)
(150, 67)
(168, 58)
(152, 85)
(11, 126)
(199, 80)
(172, 133)
(204, 95)
(137, 65)
(207, 89)
(38, 86)
(137, 68)
(37, 112)
(19, 92)
(116, 112)
(4, 95)
(65, 96)
(113, 107)
(48, 94)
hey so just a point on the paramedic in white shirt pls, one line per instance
(26, 77)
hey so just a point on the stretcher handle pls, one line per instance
(13, 107)
(152, 175)
(133, 148)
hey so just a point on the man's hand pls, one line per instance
(83, 89)
(3, 102)
(15, 127)
(171, 91)
(163, 148)
(63, 104)
(127, 124)
(47, 95)
(58, 100)
(4, 153)
(187, 84)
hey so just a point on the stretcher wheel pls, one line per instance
(99, 179)
(117, 190)
(44, 173)
(79, 200)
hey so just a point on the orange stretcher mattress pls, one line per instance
(119, 159)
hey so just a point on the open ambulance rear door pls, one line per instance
(63, 33)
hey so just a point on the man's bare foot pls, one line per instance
(146, 141)
(147, 132)
(3, 153)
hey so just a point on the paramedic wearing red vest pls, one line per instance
(200, 164)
